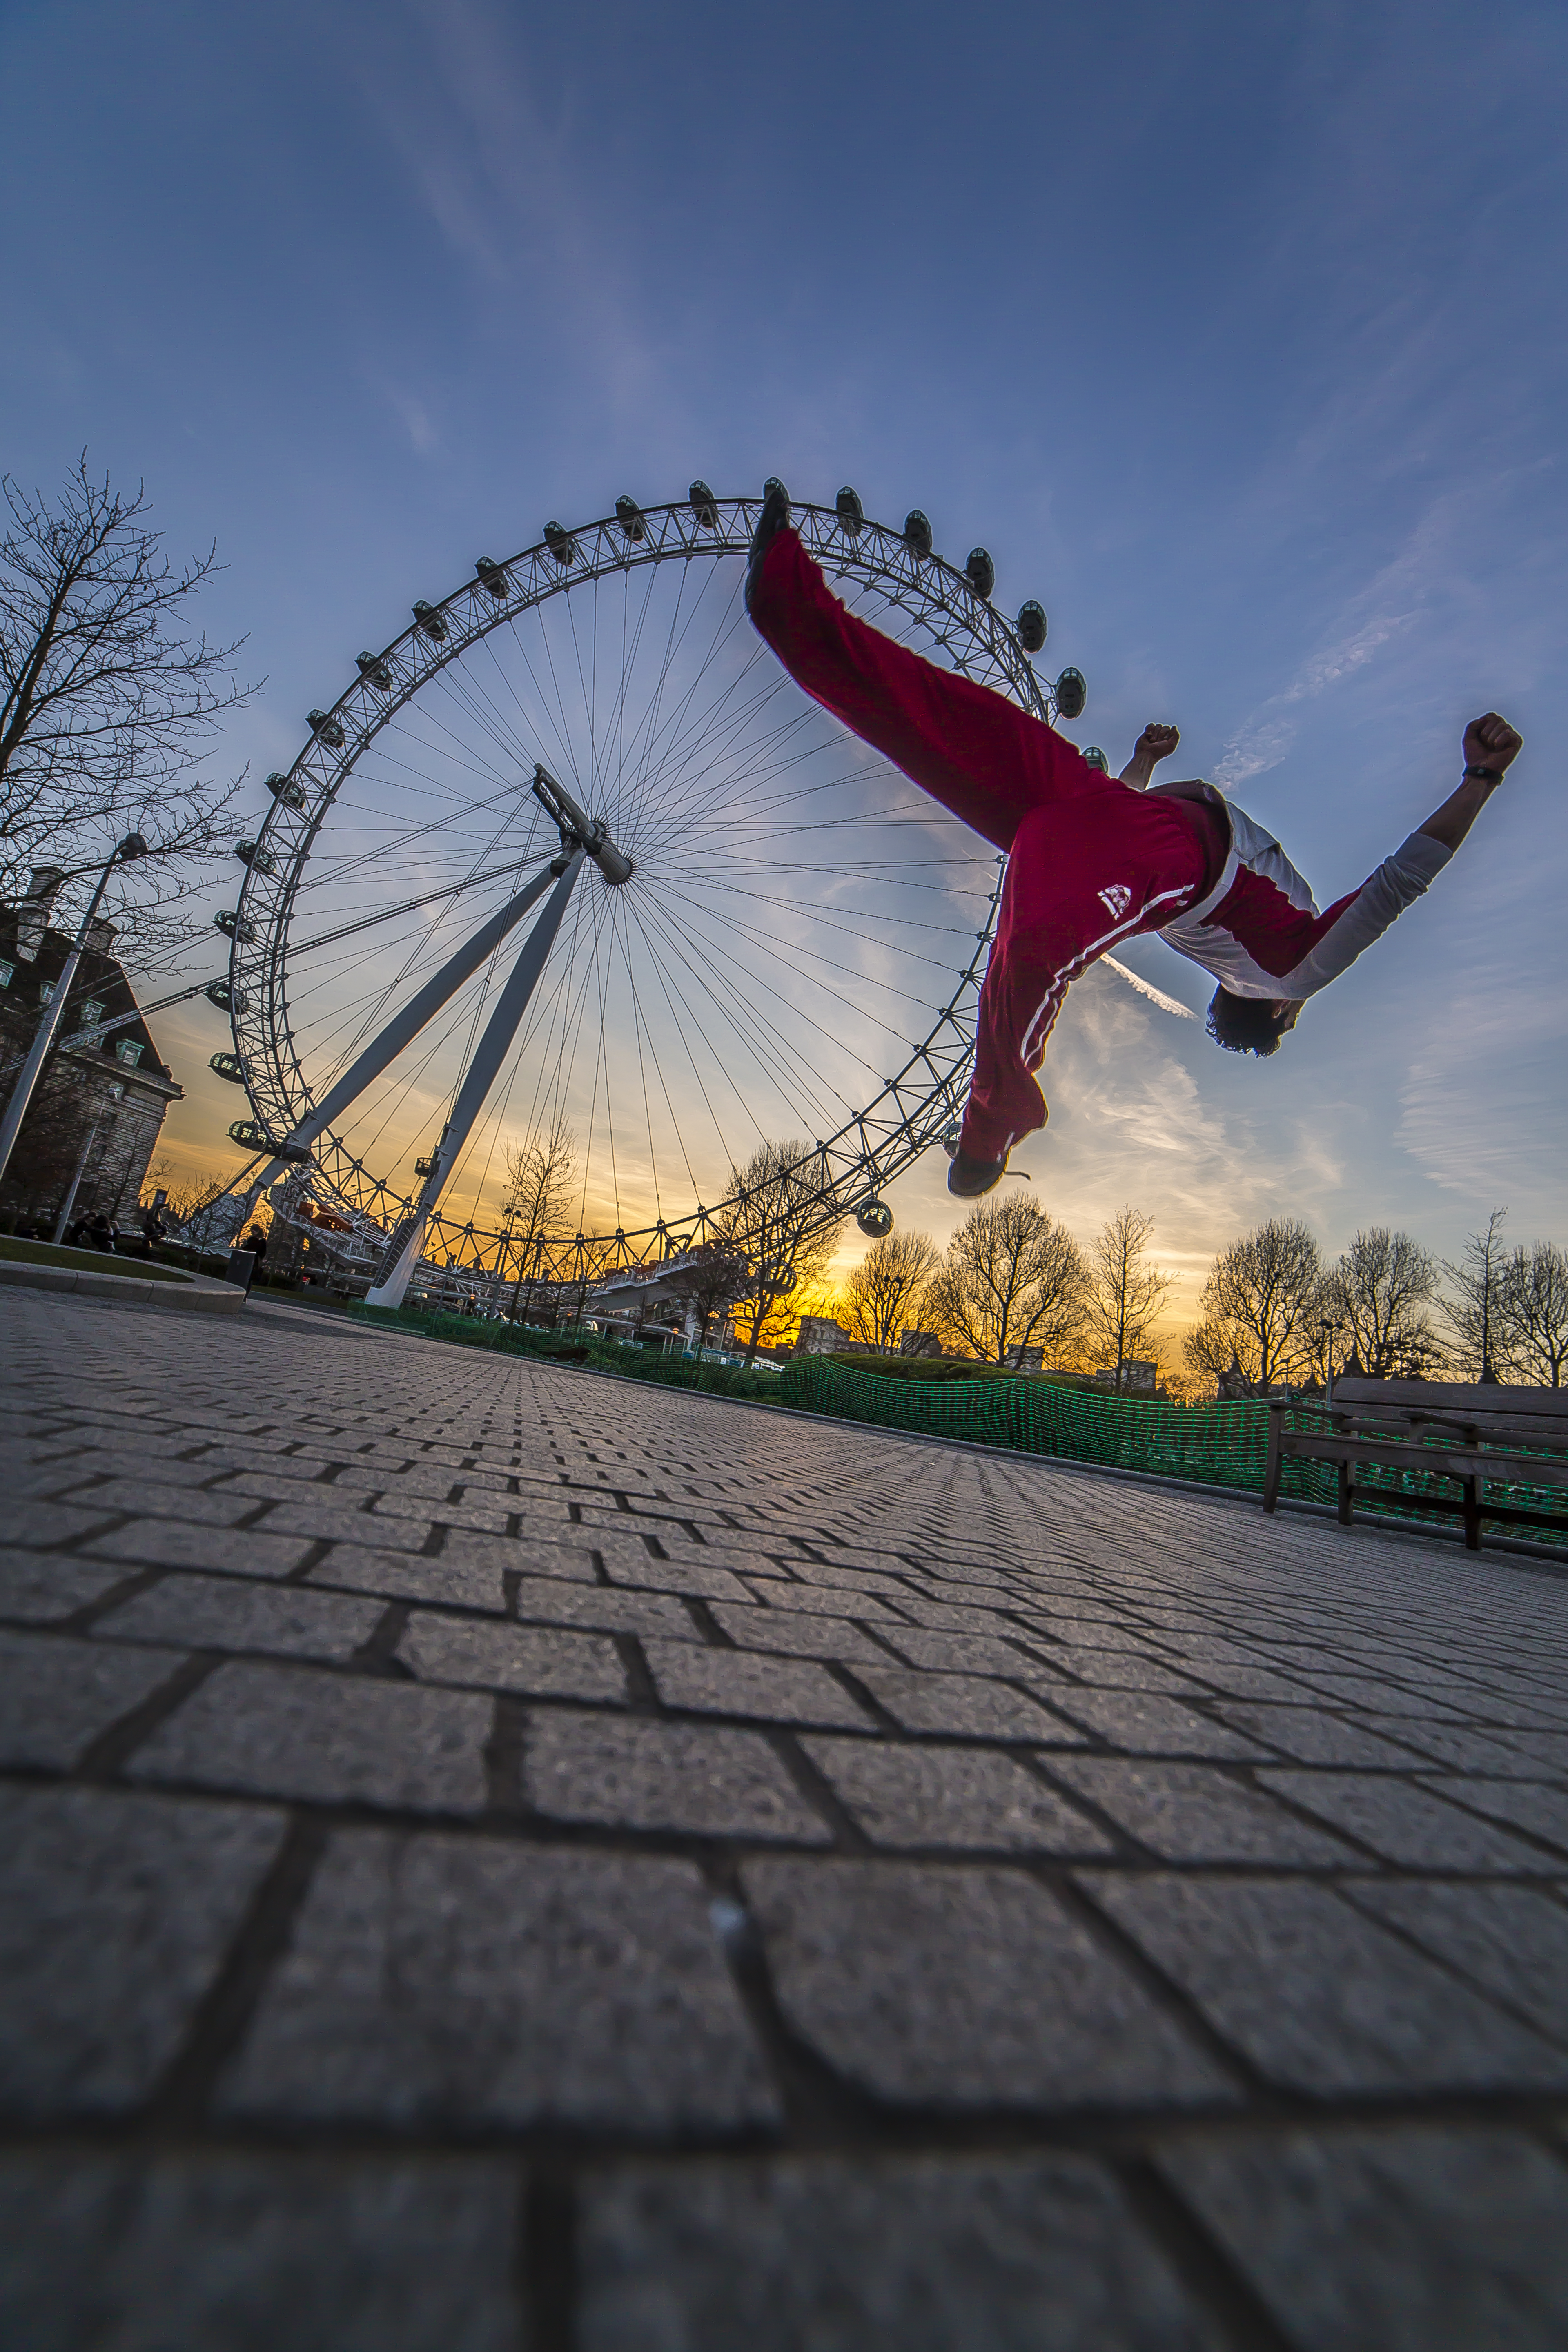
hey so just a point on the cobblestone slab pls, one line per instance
(115, 1914)
(728, 1682)
(664, 1775)
(1394, 2241)
(953, 1989)
(957, 1797)
(995, 2256)
(249, 2254)
(58, 1696)
(281, 1731)
(40, 1588)
(466, 1980)
(512, 1658)
(214, 1612)
(1317, 1998)
(493, 1855)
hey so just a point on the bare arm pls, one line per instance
(1489, 744)
(1156, 743)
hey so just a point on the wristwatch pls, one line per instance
(1491, 775)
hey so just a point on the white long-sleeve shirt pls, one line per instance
(1258, 930)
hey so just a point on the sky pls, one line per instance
(1235, 333)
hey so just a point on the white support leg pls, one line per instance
(398, 1266)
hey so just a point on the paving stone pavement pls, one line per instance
(499, 1858)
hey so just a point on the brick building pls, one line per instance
(116, 1091)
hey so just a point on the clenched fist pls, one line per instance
(1157, 741)
(1491, 743)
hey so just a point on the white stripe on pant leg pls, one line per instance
(1070, 971)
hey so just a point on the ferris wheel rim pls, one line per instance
(916, 1106)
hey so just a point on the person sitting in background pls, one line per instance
(100, 1234)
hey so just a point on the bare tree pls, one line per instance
(108, 704)
(1536, 1310)
(1125, 1292)
(713, 1279)
(1010, 1278)
(1380, 1290)
(537, 1199)
(884, 1291)
(776, 1222)
(1476, 1307)
(1260, 1306)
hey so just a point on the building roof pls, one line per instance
(37, 959)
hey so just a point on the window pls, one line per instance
(127, 1052)
(7, 974)
(90, 1014)
(46, 991)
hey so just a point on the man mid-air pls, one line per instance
(1092, 859)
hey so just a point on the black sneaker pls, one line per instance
(970, 1178)
(775, 518)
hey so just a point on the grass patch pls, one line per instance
(80, 1261)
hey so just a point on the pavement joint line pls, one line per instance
(105, 1757)
(224, 2010)
(1210, 2274)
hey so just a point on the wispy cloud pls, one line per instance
(1265, 738)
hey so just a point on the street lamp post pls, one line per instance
(23, 1091)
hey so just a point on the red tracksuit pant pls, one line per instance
(1090, 861)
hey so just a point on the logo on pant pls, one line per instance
(1116, 900)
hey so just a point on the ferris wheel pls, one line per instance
(748, 929)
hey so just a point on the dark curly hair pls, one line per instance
(1246, 1024)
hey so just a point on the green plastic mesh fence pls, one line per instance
(1222, 1444)
(1218, 1444)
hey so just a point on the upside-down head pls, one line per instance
(1250, 1025)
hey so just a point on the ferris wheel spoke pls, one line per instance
(818, 986)
(769, 947)
(744, 1019)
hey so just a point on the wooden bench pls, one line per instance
(1470, 1437)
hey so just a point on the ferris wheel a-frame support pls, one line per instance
(581, 838)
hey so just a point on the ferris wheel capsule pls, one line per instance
(980, 571)
(250, 853)
(1071, 694)
(238, 927)
(1032, 625)
(1095, 758)
(704, 506)
(432, 624)
(632, 520)
(917, 531)
(561, 544)
(375, 672)
(851, 513)
(284, 789)
(249, 1137)
(326, 728)
(875, 1217)
(490, 576)
(227, 999)
(229, 1067)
